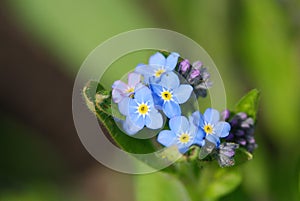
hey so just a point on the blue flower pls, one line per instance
(140, 112)
(211, 127)
(158, 65)
(168, 94)
(182, 134)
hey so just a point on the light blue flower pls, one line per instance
(168, 94)
(140, 112)
(210, 126)
(158, 65)
(183, 133)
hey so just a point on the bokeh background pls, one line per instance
(255, 44)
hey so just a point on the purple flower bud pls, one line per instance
(184, 66)
(242, 142)
(225, 114)
(229, 153)
(230, 137)
(195, 73)
(250, 121)
(240, 133)
(242, 115)
(197, 65)
(205, 74)
(251, 139)
(234, 122)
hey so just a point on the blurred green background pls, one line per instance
(255, 44)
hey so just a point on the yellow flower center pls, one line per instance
(208, 129)
(143, 109)
(184, 138)
(159, 72)
(166, 95)
(130, 90)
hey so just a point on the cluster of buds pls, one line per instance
(197, 75)
(242, 130)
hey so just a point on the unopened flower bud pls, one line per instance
(184, 66)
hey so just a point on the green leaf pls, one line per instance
(222, 182)
(248, 104)
(213, 183)
(98, 101)
(159, 187)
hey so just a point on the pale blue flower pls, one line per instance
(183, 134)
(168, 94)
(211, 127)
(158, 65)
(140, 112)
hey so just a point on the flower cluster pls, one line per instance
(197, 75)
(156, 91)
(242, 130)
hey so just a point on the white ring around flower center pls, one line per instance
(184, 138)
(166, 95)
(143, 109)
(159, 72)
(208, 128)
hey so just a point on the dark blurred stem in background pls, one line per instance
(37, 93)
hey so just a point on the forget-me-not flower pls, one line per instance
(169, 93)
(211, 127)
(140, 112)
(183, 134)
(158, 65)
(122, 90)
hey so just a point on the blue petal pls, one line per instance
(199, 138)
(154, 80)
(166, 138)
(139, 86)
(211, 116)
(134, 117)
(169, 80)
(183, 93)
(171, 61)
(195, 118)
(157, 89)
(171, 109)
(130, 128)
(214, 139)
(157, 60)
(143, 95)
(158, 101)
(155, 120)
(179, 124)
(124, 106)
(145, 70)
(132, 106)
(137, 120)
(222, 129)
(183, 149)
